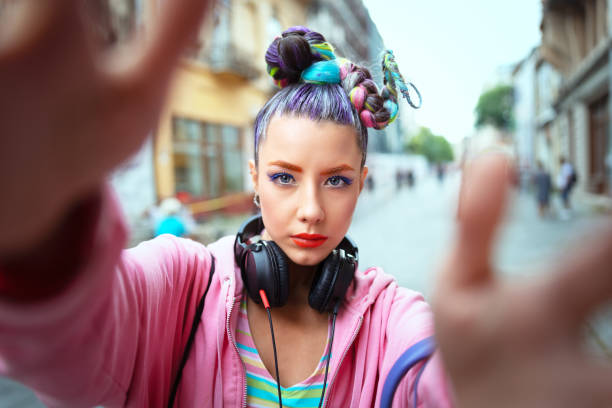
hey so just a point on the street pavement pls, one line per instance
(408, 232)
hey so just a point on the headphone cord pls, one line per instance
(264, 299)
(331, 342)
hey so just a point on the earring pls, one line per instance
(256, 200)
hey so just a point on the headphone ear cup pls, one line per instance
(278, 279)
(324, 282)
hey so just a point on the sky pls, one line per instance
(453, 50)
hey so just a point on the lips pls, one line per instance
(308, 240)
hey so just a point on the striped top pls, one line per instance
(262, 391)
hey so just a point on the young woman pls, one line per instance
(85, 323)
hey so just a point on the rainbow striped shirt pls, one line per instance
(262, 391)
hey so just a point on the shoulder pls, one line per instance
(374, 287)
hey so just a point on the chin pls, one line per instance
(307, 257)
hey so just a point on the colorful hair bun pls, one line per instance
(293, 52)
(303, 55)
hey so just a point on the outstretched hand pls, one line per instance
(70, 114)
(518, 344)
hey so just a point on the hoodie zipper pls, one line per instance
(346, 349)
(229, 333)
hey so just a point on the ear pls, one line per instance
(253, 171)
(364, 174)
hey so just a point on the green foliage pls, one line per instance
(436, 149)
(494, 107)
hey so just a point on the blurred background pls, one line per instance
(526, 77)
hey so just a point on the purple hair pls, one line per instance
(287, 57)
(316, 102)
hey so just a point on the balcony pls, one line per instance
(222, 53)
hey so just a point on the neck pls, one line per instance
(300, 281)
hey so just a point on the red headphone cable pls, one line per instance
(266, 304)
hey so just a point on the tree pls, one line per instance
(494, 108)
(436, 149)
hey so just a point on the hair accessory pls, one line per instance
(367, 118)
(323, 50)
(357, 96)
(393, 79)
(392, 108)
(322, 72)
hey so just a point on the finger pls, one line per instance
(482, 201)
(584, 278)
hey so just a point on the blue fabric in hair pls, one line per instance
(322, 72)
(392, 107)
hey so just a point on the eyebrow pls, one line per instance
(293, 167)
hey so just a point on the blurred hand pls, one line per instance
(518, 344)
(70, 114)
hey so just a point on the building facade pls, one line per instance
(576, 44)
(524, 83)
(204, 137)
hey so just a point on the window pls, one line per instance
(207, 159)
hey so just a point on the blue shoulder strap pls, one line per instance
(417, 352)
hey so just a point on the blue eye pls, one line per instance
(282, 178)
(339, 181)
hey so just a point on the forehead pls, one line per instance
(302, 140)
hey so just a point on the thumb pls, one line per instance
(482, 201)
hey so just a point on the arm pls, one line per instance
(119, 323)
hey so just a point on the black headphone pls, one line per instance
(264, 265)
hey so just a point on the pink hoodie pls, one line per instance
(116, 335)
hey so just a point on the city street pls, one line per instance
(407, 233)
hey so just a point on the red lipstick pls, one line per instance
(308, 240)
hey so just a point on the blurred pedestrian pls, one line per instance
(543, 184)
(440, 172)
(410, 178)
(566, 180)
(398, 179)
(370, 182)
(173, 218)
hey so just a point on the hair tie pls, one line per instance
(357, 97)
(345, 67)
(323, 50)
(367, 118)
(322, 72)
(392, 107)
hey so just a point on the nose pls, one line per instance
(310, 207)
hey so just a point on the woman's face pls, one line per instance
(308, 181)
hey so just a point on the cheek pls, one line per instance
(341, 210)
